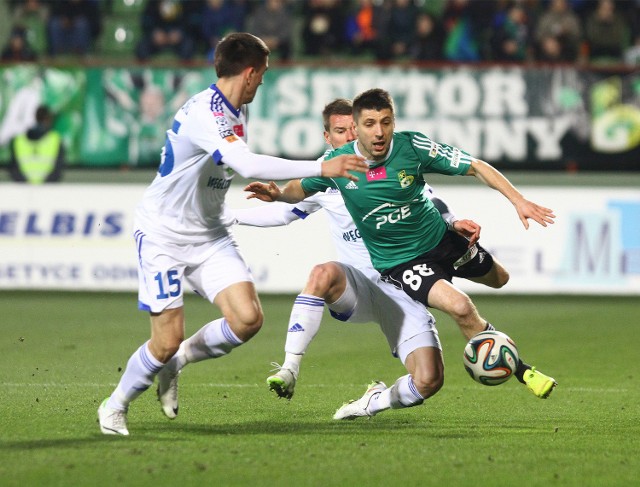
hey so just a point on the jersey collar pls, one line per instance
(373, 163)
(233, 109)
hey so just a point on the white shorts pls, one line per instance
(163, 269)
(407, 324)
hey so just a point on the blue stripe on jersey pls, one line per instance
(176, 126)
(300, 213)
(224, 100)
(217, 157)
(168, 159)
(143, 307)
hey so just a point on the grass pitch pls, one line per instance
(61, 354)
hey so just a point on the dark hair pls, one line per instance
(238, 51)
(375, 99)
(43, 114)
(339, 106)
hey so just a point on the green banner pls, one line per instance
(24, 88)
(516, 118)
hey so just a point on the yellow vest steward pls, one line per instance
(37, 158)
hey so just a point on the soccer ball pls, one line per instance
(491, 358)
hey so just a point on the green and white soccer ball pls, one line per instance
(491, 358)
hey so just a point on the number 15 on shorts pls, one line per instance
(169, 285)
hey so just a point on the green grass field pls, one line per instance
(62, 353)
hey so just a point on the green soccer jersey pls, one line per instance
(390, 206)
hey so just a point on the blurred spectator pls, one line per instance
(510, 40)
(166, 26)
(462, 41)
(323, 27)
(73, 26)
(273, 23)
(17, 47)
(428, 41)
(632, 54)
(399, 29)
(33, 15)
(37, 156)
(219, 18)
(558, 34)
(361, 30)
(606, 33)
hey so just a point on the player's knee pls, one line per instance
(499, 276)
(165, 347)
(428, 382)
(502, 277)
(462, 308)
(246, 323)
(321, 279)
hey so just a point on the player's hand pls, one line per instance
(529, 210)
(468, 229)
(263, 191)
(339, 166)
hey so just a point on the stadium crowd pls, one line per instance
(588, 31)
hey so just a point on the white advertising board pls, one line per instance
(73, 236)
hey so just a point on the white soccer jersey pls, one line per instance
(204, 148)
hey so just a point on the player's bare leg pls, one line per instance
(496, 278)
(446, 297)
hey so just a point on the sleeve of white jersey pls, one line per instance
(259, 166)
(216, 136)
(274, 215)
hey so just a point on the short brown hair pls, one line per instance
(238, 51)
(375, 99)
(339, 106)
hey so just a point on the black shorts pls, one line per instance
(450, 258)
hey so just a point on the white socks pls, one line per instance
(213, 340)
(141, 369)
(304, 323)
(402, 394)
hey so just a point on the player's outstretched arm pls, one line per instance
(292, 192)
(526, 209)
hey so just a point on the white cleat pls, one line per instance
(283, 382)
(360, 407)
(112, 421)
(168, 392)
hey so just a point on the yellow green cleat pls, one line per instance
(538, 383)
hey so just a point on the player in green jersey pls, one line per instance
(403, 231)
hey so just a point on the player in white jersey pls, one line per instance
(181, 238)
(351, 287)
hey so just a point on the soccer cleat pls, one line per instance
(168, 392)
(358, 408)
(112, 421)
(538, 383)
(283, 382)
